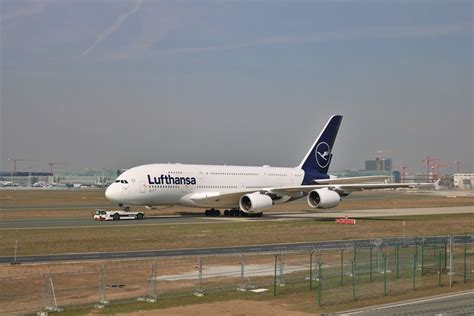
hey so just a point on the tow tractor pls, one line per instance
(115, 215)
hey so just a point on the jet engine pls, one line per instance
(255, 202)
(323, 198)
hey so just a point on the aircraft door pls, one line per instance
(142, 187)
(125, 189)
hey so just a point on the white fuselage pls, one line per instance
(175, 184)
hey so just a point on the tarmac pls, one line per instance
(48, 223)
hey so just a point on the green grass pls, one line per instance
(108, 238)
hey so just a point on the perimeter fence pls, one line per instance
(354, 271)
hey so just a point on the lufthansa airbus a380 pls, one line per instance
(243, 190)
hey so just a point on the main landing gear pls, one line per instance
(231, 213)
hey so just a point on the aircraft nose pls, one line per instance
(112, 193)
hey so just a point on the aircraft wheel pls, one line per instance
(207, 213)
(217, 213)
(226, 213)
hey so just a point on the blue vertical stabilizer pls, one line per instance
(317, 160)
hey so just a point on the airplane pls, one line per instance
(245, 190)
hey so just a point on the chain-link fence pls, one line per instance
(353, 272)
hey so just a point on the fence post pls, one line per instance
(397, 250)
(423, 257)
(310, 270)
(275, 277)
(445, 255)
(242, 272)
(385, 275)
(439, 269)
(200, 291)
(451, 255)
(200, 274)
(102, 287)
(370, 265)
(151, 291)
(319, 281)
(281, 280)
(354, 255)
(342, 266)
(353, 279)
(414, 272)
(42, 294)
(465, 258)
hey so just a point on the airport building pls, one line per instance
(463, 181)
(60, 178)
(379, 164)
(86, 177)
(23, 178)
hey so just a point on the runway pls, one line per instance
(447, 304)
(273, 248)
(51, 223)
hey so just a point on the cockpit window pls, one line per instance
(117, 181)
(121, 181)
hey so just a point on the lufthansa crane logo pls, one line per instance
(323, 153)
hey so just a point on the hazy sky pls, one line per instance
(113, 84)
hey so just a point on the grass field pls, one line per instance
(78, 203)
(124, 238)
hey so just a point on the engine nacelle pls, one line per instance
(323, 198)
(255, 202)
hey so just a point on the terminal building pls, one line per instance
(60, 178)
(463, 181)
(86, 177)
(23, 178)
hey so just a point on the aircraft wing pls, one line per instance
(348, 188)
(215, 199)
(349, 180)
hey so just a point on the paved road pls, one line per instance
(273, 248)
(198, 218)
(448, 304)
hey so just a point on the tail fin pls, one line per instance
(319, 157)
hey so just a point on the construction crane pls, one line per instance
(53, 163)
(458, 166)
(428, 162)
(435, 168)
(14, 161)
